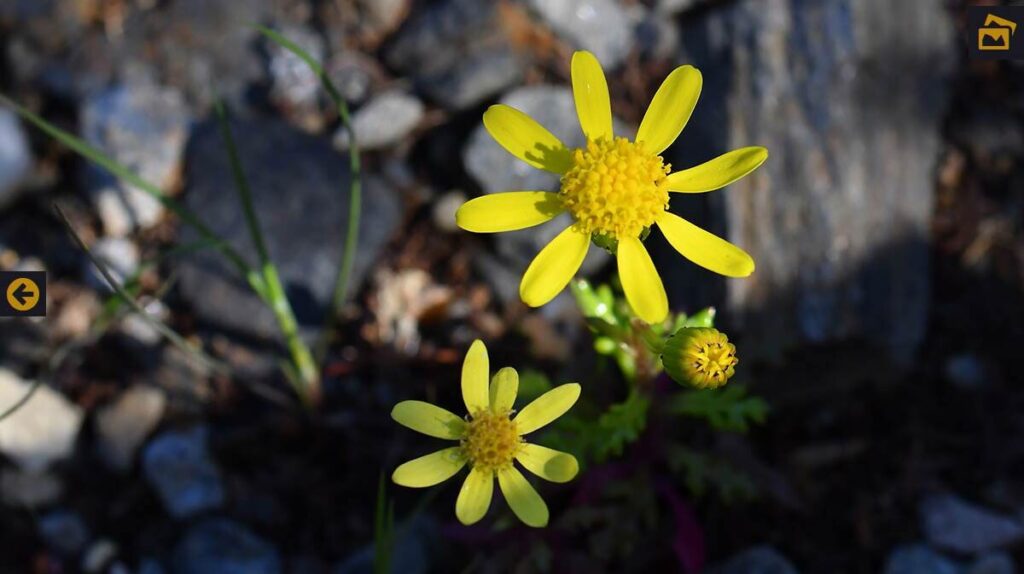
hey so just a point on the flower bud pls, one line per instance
(701, 357)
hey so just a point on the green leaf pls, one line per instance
(727, 409)
(702, 318)
(701, 472)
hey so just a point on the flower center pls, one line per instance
(712, 360)
(490, 441)
(615, 188)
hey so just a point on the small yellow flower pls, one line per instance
(700, 356)
(615, 190)
(490, 439)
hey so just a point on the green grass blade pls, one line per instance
(96, 156)
(342, 280)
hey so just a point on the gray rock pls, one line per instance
(672, 7)
(29, 488)
(383, 121)
(496, 170)
(300, 191)
(64, 531)
(951, 523)
(120, 255)
(919, 559)
(603, 27)
(222, 546)
(457, 51)
(43, 430)
(99, 558)
(15, 156)
(444, 210)
(292, 82)
(757, 560)
(848, 97)
(143, 127)
(178, 465)
(995, 563)
(122, 426)
(204, 48)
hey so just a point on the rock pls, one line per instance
(122, 426)
(15, 156)
(292, 82)
(603, 27)
(672, 7)
(919, 559)
(99, 557)
(458, 52)
(384, 121)
(222, 546)
(140, 329)
(121, 257)
(300, 191)
(496, 170)
(953, 524)
(204, 48)
(410, 555)
(995, 563)
(849, 98)
(143, 127)
(757, 560)
(383, 16)
(353, 75)
(64, 531)
(177, 464)
(444, 210)
(965, 371)
(29, 488)
(43, 430)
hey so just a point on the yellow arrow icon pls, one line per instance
(23, 294)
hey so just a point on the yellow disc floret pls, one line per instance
(700, 356)
(615, 188)
(490, 441)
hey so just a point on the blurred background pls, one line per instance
(882, 327)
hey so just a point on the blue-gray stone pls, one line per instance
(177, 464)
(15, 156)
(222, 546)
(756, 560)
(919, 559)
(64, 531)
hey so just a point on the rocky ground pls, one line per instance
(883, 323)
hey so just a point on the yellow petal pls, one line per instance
(475, 372)
(475, 496)
(504, 387)
(428, 419)
(431, 469)
(719, 172)
(548, 463)
(704, 248)
(553, 267)
(526, 139)
(640, 281)
(547, 407)
(590, 90)
(508, 211)
(522, 498)
(670, 109)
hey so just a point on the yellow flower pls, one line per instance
(615, 190)
(490, 439)
(700, 356)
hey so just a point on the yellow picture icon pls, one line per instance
(995, 35)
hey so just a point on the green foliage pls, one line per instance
(727, 409)
(596, 439)
(701, 471)
(532, 384)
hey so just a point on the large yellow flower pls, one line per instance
(615, 190)
(490, 439)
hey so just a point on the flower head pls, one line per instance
(490, 441)
(616, 190)
(700, 356)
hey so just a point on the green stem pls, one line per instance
(307, 385)
(341, 283)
